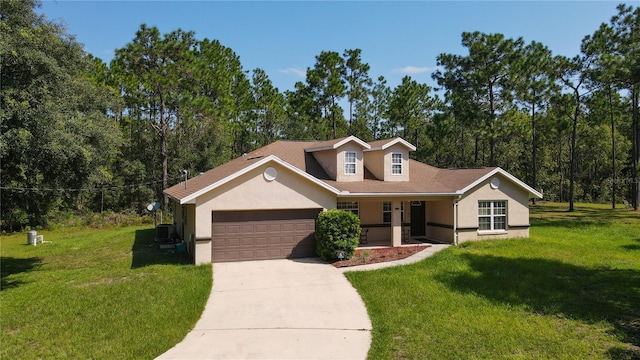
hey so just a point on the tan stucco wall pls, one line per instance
(516, 197)
(388, 176)
(517, 210)
(203, 252)
(327, 159)
(374, 161)
(371, 214)
(440, 211)
(340, 152)
(252, 191)
(177, 217)
(464, 236)
(379, 163)
(184, 224)
(440, 234)
(440, 215)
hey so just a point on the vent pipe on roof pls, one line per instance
(186, 177)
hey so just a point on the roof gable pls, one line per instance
(387, 143)
(334, 144)
(532, 192)
(264, 160)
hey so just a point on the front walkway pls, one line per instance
(278, 309)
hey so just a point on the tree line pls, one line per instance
(79, 135)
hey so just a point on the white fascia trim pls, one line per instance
(498, 170)
(191, 198)
(393, 142)
(340, 143)
(408, 195)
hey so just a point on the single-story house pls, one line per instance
(263, 205)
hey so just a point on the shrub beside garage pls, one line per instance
(337, 234)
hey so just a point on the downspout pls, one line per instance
(455, 220)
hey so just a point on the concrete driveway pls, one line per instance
(278, 309)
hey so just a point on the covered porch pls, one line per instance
(403, 221)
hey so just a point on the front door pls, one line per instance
(418, 227)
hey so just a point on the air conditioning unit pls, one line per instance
(163, 232)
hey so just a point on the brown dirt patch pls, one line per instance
(365, 256)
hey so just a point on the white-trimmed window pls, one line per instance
(351, 206)
(350, 162)
(387, 209)
(492, 215)
(396, 164)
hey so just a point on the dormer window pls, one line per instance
(350, 163)
(396, 164)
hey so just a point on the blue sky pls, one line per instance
(397, 38)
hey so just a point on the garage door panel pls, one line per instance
(263, 235)
(261, 241)
(248, 241)
(275, 240)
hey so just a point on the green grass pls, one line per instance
(103, 294)
(570, 291)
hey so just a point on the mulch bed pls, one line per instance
(376, 255)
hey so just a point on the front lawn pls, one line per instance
(571, 291)
(103, 294)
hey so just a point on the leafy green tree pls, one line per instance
(379, 109)
(534, 86)
(483, 78)
(573, 74)
(358, 88)
(616, 47)
(326, 83)
(411, 110)
(154, 68)
(55, 136)
(268, 108)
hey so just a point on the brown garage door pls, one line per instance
(263, 235)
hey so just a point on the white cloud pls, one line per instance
(414, 70)
(295, 71)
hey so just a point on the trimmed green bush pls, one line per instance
(337, 231)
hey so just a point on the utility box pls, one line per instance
(31, 237)
(163, 232)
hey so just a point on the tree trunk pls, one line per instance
(613, 154)
(163, 150)
(476, 155)
(635, 184)
(534, 156)
(560, 175)
(572, 170)
(492, 140)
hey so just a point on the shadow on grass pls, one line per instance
(583, 216)
(566, 223)
(13, 266)
(146, 251)
(560, 289)
(633, 246)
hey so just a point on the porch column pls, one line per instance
(396, 224)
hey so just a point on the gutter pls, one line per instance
(397, 194)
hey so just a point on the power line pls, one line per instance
(94, 189)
